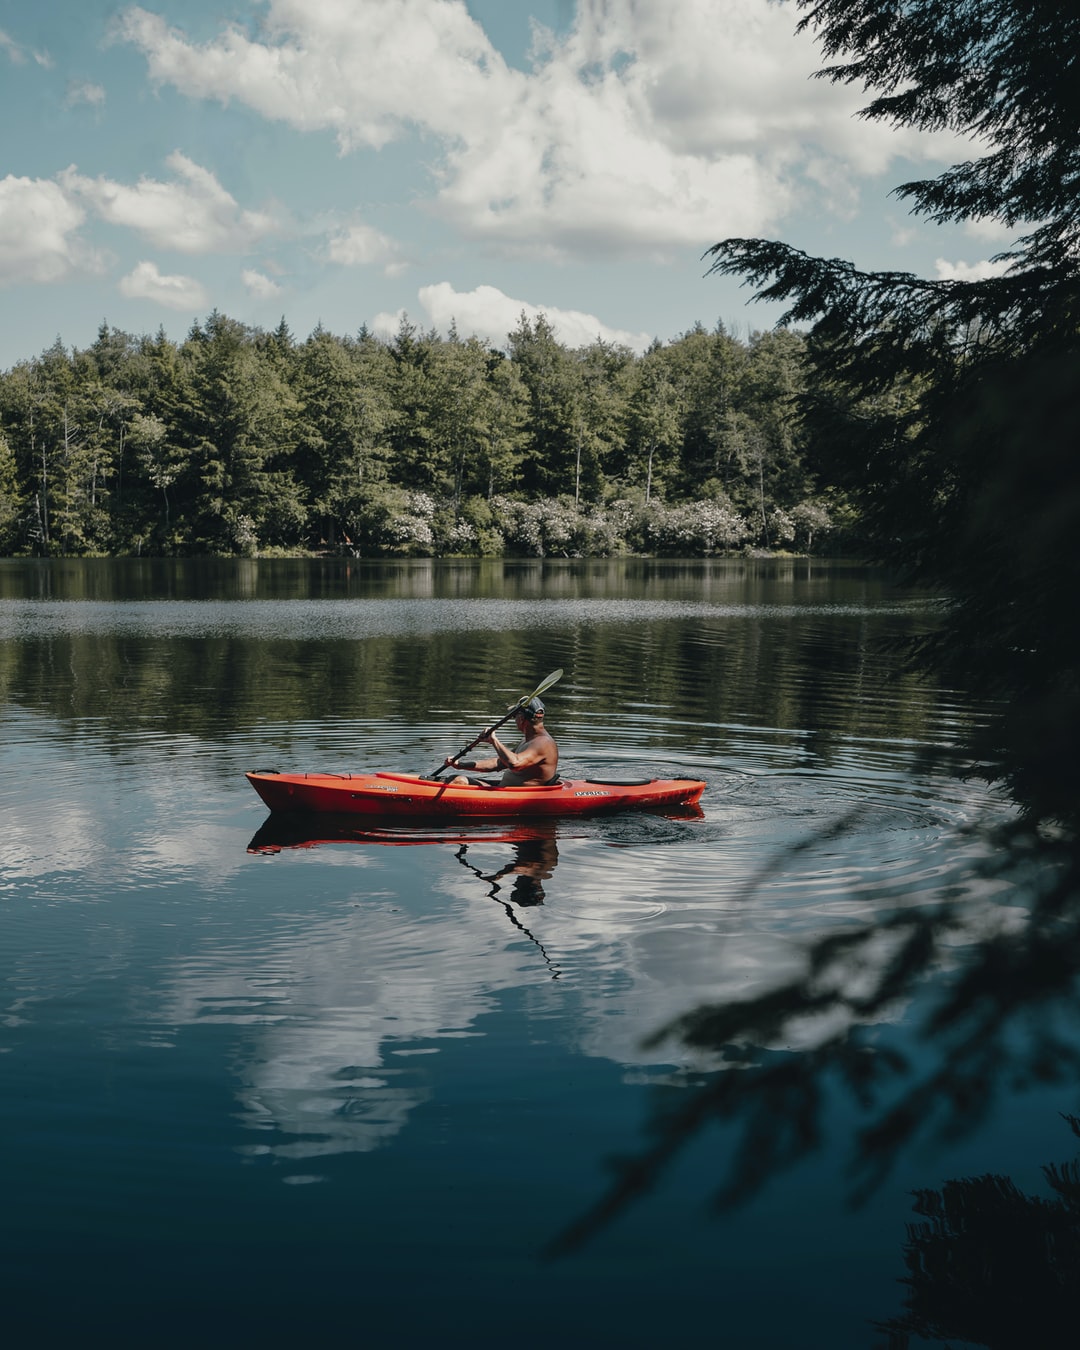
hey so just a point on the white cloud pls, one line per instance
(11, 49)
(359, 245)
(902, 234)
(83, 91)
(191, 214)
(647, 128)
(962, 271)
(145, 282)
(364, 71)
(489, 314)
(990, 230)
(38, 232)
(17, 54)
(259, 284)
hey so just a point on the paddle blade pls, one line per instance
(553, 678)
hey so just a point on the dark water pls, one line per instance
(355, 1089)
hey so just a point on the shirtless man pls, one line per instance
(536, 760)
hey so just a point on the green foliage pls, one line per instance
(386, 519)
(242, 442)
(12, 504)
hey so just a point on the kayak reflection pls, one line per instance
(519, 882)
(302, 830)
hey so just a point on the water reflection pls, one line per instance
(991, 1265)
(355, 1006)
(741, 580)
(282, 830)
(533, 863)
(916, 1026)
(535, 853)
(640, 920)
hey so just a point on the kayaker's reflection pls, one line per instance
(533, 863)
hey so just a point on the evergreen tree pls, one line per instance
(12, 503)
(709, 368)
(503, 429)
(241, 429)
(953, 481)
(597, 414)
(549, 383)
(343, 434)
(656, 415)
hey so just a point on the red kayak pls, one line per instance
(407, 794)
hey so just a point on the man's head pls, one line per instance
(532, 710)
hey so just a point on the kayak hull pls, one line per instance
(402, 794)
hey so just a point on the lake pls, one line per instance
(267, 1085)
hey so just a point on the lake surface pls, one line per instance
(262, 1087)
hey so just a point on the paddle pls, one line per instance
(553, 678)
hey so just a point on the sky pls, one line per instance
(459, 162)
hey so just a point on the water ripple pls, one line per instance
(308, 620)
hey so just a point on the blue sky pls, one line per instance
(344, 161)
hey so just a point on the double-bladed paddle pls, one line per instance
(553, 678)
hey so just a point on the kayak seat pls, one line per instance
(622, 782)
(478, 782)
(498, 787)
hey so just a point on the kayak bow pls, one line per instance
(406, 794)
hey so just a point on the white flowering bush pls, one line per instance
(411, 529)
(245, 538)
(392, 520)
(708, 526)
(519, 523)
(388, 519)
(604, 536)
(781, 526)
(810, 518)
(561, 528)
(556, 528)
(461, 537)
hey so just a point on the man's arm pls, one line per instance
(505, 758)
(473, 766)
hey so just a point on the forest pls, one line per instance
(241, 442)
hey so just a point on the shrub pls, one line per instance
(810, 518)
(695, 527)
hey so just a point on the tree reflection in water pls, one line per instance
(987, 991)
(992, 1266)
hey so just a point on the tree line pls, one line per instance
(238, 441)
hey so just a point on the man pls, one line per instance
(536, 759)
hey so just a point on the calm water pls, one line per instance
(266, 1089)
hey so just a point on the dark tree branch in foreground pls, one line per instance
(945, 408)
